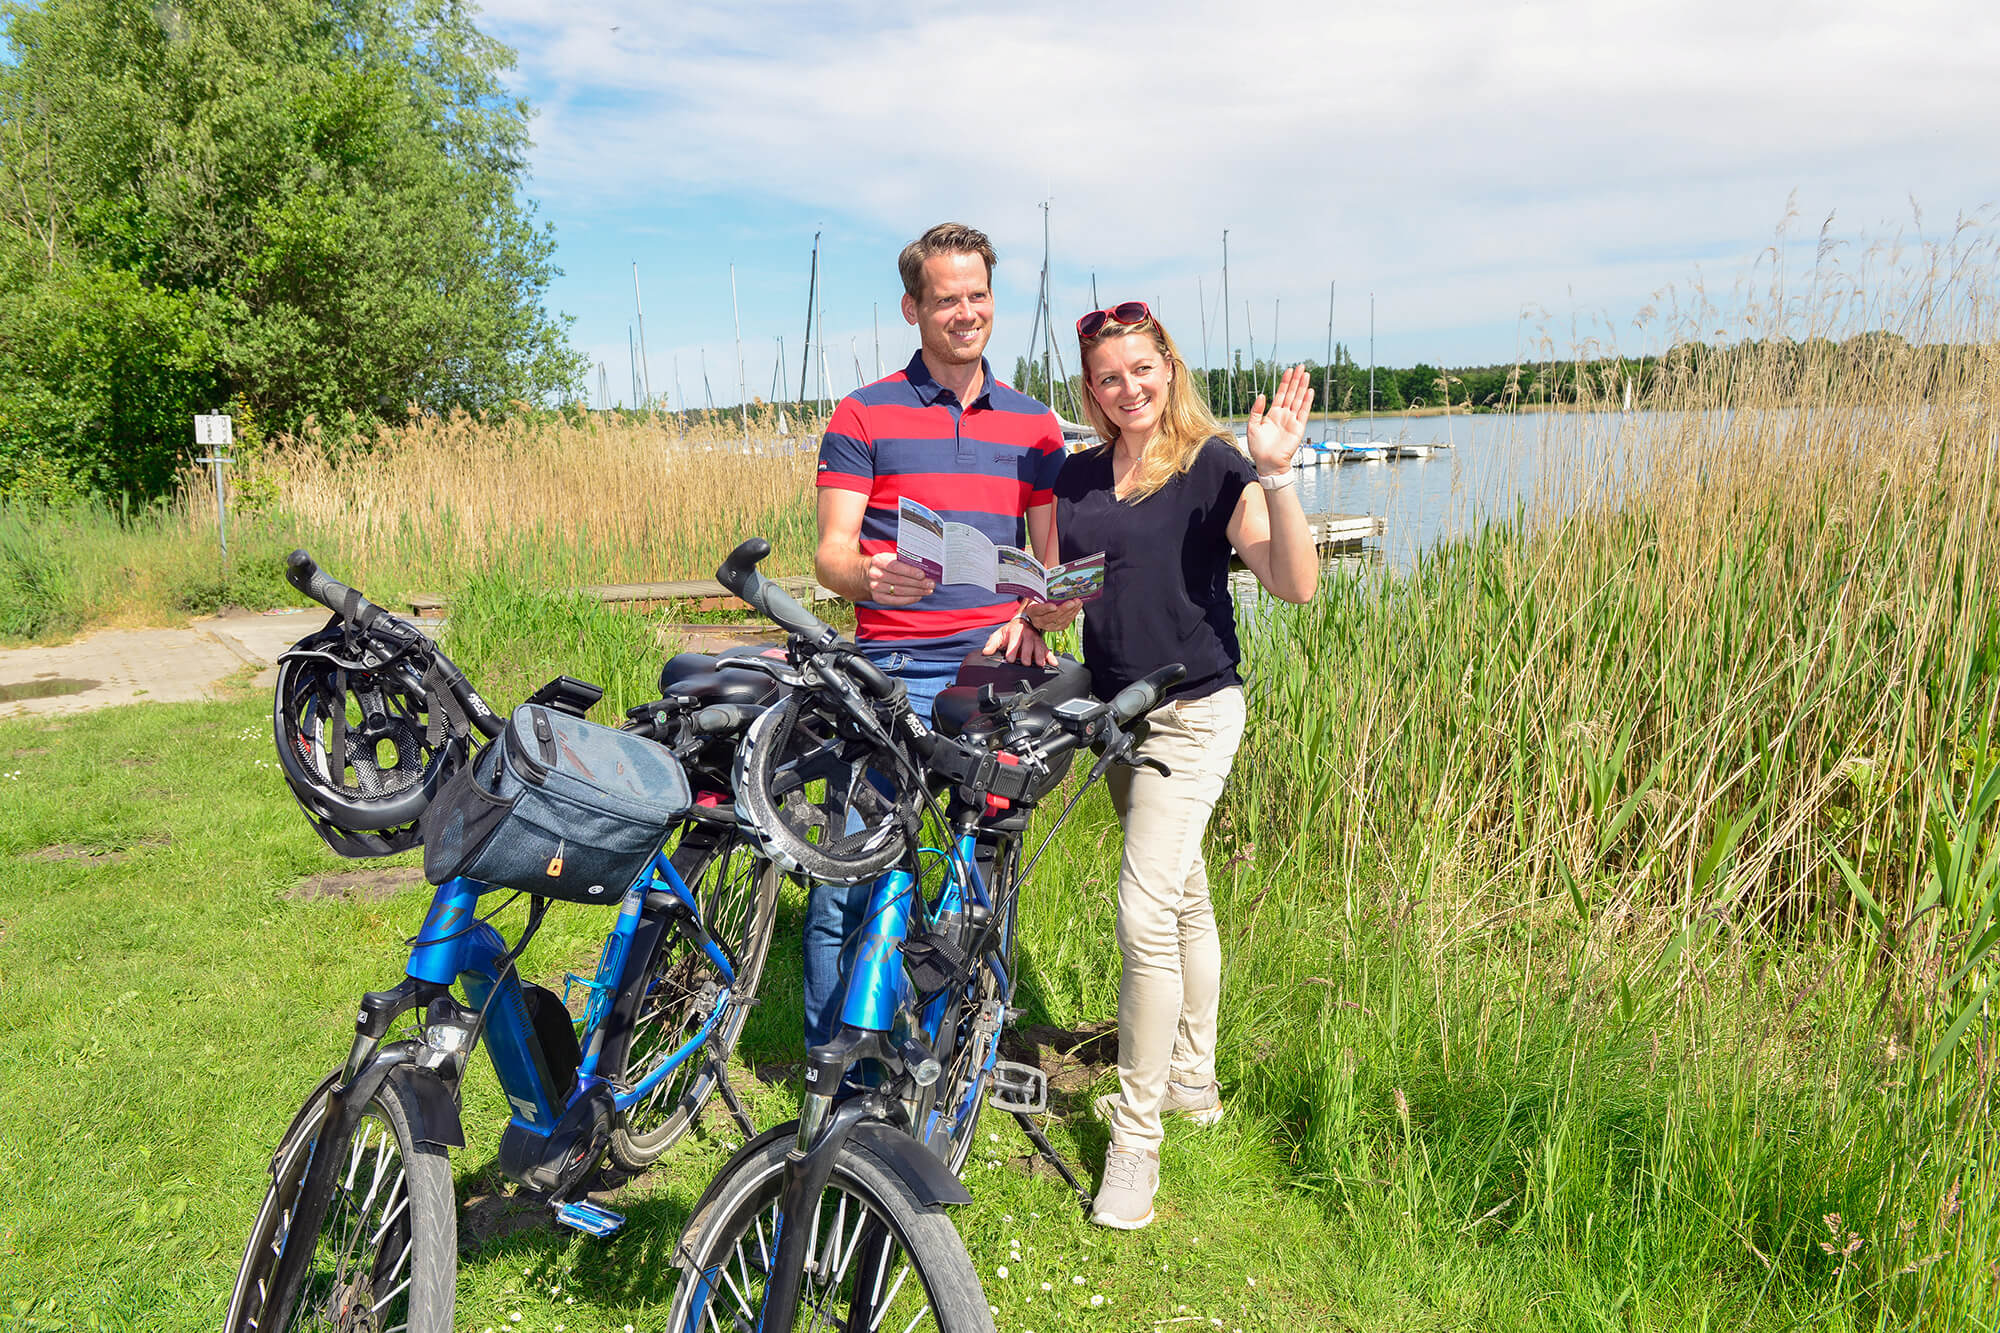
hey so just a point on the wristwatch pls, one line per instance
(1277, 481)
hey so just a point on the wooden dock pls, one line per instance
(701, 594)
(1331, 532)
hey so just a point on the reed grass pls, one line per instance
(1648, 841)
(569, 500)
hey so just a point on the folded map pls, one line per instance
(961, 553)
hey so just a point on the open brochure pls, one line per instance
(961, 553)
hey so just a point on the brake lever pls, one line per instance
(1146, 761)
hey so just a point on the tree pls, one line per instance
(313, 208)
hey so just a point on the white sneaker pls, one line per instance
(1202, 1106)
(1125, 1198)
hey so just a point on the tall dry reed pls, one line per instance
(568, 500)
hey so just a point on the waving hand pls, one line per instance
(1274, 435)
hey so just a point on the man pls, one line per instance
(945, 433)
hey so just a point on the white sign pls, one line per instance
(212, 430)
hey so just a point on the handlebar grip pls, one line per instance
(872, 678)
(726, 719)
(739, 574)
(303, 573)
(1143, 696)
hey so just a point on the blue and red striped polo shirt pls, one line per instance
(985, 465)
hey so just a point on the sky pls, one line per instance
(1498, 178)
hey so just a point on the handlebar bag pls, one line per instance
(556, 806)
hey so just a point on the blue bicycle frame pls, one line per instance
(446, 951)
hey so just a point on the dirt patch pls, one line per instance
(776, 1075)
(488, 1217)
(137, 761)
(1073, 1058)
(33, 749)
(366, 885)
(95, 856)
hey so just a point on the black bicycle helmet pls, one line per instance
(366, 735)
(800, 770)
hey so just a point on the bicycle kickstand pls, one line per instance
(1053, 1158)
(730, 1099)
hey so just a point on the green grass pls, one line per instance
(1582, 1147)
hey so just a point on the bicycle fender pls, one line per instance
(433, 1110)
(927, 1177)
(299, 1118)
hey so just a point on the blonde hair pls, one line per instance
(1185, 426)
(947, 238)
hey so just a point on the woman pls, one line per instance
(1167, 498)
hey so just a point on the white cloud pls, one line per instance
(1472, 158)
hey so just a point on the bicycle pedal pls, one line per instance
(1018, 1089)
(589, 1218)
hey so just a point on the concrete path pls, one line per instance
(125, 666)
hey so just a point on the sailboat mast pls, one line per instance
(742, 385)
(640, 306)
(1049, 327)
(1250, 332)
(812, 296)
(877, 308)
(1326, 423)
(1277, 306)
(1371, 367)
(632, 357)
(1228, 353)
(1201, 297)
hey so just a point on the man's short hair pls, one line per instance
(947, 238)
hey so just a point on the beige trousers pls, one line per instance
(1166, 925)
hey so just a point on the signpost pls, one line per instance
(215, 432)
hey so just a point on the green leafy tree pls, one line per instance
(311, 208)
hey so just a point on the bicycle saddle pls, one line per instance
(705, 676)
(957, 711)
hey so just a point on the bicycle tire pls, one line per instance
(866, 1209)
(736, 889)
(964, 1069)
(394, 1249)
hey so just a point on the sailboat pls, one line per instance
(1370, 450)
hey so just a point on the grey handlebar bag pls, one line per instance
(556, 806)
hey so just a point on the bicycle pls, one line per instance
(829, 1217)
(358, 1228)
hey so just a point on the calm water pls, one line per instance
(1493, 463)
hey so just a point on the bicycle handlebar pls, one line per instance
(304, 573)
(739, 574)
(1143, 696)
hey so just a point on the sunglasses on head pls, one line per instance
(1125, 312)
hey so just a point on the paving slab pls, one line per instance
(124, 666)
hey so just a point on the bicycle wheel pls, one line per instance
(961, 1092)
(877, 1257)
(384, 1243)
(737, 891)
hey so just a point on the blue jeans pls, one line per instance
(834, 912)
